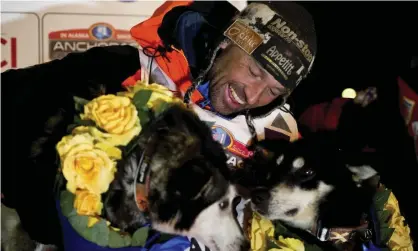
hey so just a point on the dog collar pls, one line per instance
(143, 176)
(343, 236)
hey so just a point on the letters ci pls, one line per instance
(13, 52)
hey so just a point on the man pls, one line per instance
(237, 73)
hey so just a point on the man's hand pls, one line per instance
(365, 97)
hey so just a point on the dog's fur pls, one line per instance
(189, 193)
(306, 180)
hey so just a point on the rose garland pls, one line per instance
(101, 134)
(394, 233)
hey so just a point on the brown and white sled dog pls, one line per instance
(187, 182)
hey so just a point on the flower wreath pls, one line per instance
(102, 134)
(394, 234)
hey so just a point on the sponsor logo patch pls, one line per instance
(243, 36)
(280, 27)
(235, 150)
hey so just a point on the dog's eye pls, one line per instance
(224, 205)
(308, 172)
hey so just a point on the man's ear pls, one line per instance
(224, 44)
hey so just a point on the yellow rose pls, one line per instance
(115, 114)
(290, 244)
(93, 220)
(392, 204)
(107, 140)
(159, 94)
(400, 239)
(84, 165)
(87, 203)
(260, 229)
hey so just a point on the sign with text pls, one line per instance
(81, 32)
(19, 40)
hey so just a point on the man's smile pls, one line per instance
(232, 98)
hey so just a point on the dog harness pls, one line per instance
(344, 237)
(143, 176)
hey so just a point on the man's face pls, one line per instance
(238, 82)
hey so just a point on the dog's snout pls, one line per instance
(245, 245)
(260, 195)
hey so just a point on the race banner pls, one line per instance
(19, 47)
(81, 32)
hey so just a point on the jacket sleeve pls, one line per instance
(323, 116)
(342, 116)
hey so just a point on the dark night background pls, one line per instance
(360, 44)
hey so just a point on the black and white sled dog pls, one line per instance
(308, 185)
(187, 181)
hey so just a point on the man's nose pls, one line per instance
(254, 91)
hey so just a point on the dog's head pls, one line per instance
(299, 182)
(189, 191)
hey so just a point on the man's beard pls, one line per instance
(217, 90)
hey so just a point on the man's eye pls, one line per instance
(252, 73)
(274, 91)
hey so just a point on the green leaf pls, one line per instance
(67, 202)
(71, 127)
(116, 240)
(100, 233)
(381, 198)
(279, 229)
(140, 237)
(79, 223)
(141, 98)
(59, 182)
(383, 216)
(127, 239)
(126, 150)
(161, 108)
(271, 244)
(144, 116)
(385, 234)
(80, 103)
(78, 121)
(310, 247)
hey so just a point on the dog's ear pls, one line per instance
(175, 118)
(269, 149)
(190, 180)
